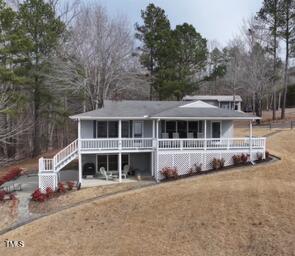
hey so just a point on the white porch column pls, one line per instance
(120, 148)
(250, 139)
(205, 133)
(157, 152)
(120, 166)
(154, 146)
(79, 151)
(120, 133)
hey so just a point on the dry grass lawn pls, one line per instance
(249, 211)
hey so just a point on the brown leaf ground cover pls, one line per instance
(246, 211)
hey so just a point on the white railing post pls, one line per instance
(250, 140)
(157, 152)
(120, 134)
(79, 151)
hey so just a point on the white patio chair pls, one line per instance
(105, 174)
(190, 135)
(175, 135)
(165, 135)
(125, 171)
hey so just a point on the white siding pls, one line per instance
(148, 127)
(227, 129)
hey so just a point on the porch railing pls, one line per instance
(116, 143)
(220, 143)
(147, 143)
(46, 164)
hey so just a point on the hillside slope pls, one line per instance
(248, 211)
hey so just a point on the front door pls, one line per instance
(216, 126)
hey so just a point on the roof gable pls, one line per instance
(198, 104)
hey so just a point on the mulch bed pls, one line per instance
(226, 168)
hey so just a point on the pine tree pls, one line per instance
(153, 34)
(43, 30)
(187, 57)
(269, 13)
(287, 32)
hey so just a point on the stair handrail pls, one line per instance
(65, 153)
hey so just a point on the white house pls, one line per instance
(221, 101)
(151, 135)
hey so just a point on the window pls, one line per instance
(102, 129)
(170, 128)
(113, 162)
(138, 129)
(182, 129)
(113, 129)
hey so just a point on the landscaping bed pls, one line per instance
(70, 198)
(217, 168)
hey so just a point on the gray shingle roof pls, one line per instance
(212, 97)
(158, 109)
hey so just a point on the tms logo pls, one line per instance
(13, 244)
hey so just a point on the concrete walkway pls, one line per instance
(28, 184)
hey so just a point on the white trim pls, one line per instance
(168, 118)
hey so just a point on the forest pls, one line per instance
(59, 58)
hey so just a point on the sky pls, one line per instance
(217, 20)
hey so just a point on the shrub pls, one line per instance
(38, 196)
(10, 175)
(169, 172)
(196, 168)
(259, 156)
(267, 154)
(217, 163)
(61, 187)
(2, 195)
(70, 185)
(240, 159)
(49, 192)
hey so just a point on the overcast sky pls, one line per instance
(215, 19)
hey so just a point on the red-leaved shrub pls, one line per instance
(240, 159)
(10, 175)
(49, 192)
(70, 185)
(38, 196)
(217, 163)
(61, 187)
(169, 172)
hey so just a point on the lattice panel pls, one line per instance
(182, 163)
(196, 158)
(228, 158)
(165, 160)
(47, 180)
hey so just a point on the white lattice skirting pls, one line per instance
(47, 180)
(184, 161)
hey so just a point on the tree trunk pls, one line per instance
(36, 130)
(286, 66)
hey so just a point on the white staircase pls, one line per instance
(49, 167)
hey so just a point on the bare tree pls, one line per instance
(104, 49)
